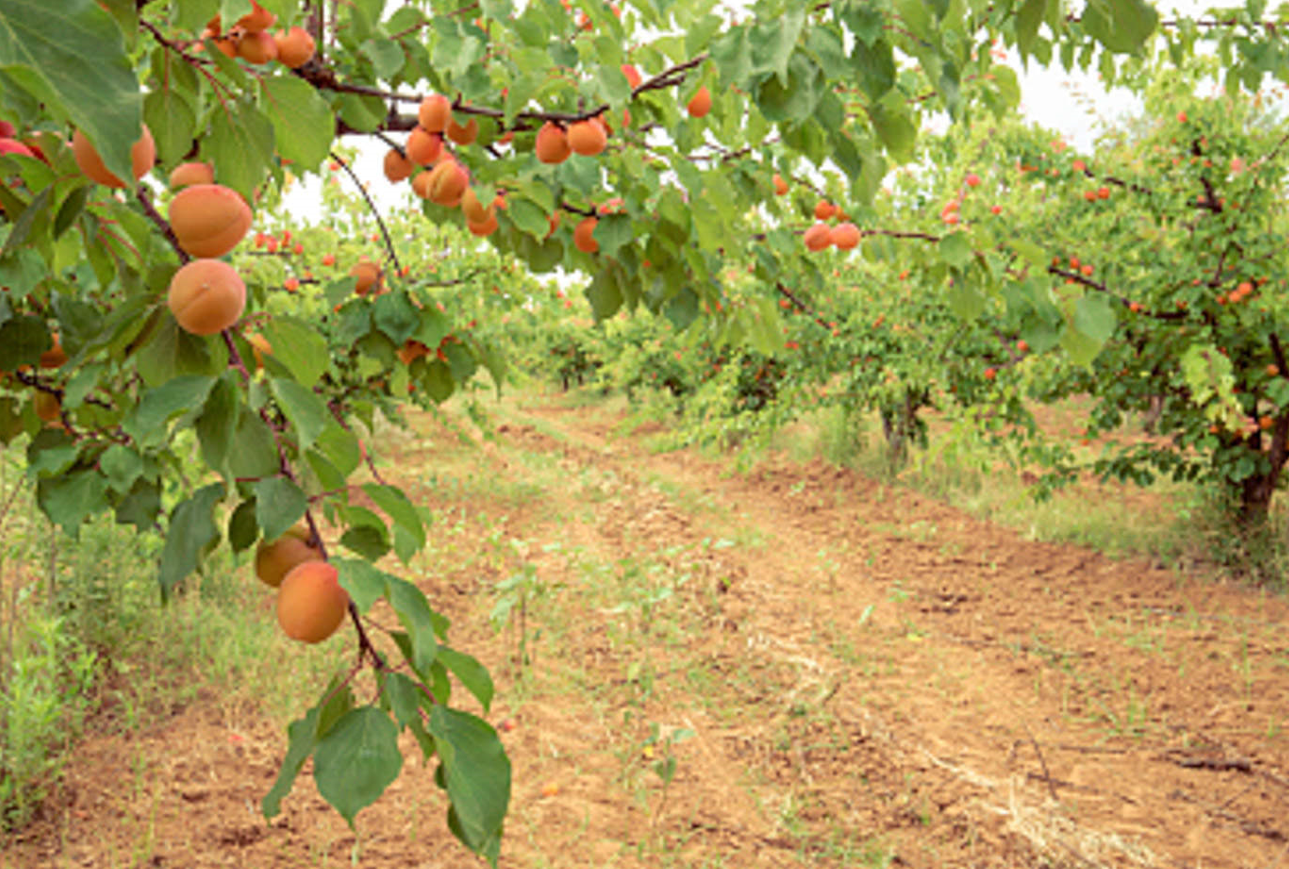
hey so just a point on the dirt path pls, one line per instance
(845, 674)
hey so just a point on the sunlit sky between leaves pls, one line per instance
(1075, 105)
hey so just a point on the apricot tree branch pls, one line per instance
(384, 230)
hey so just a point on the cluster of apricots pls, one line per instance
(310, 601)
(844, 235)
(951, 213)
(250, 40)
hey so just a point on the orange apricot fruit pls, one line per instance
(844, 236)
(552, 143)
(206, 296)
(421, 183)
(434, 113)
(397, 166)
(424, 147)
(142, 155)
(633, 75)
(367, 274)
(780, 186)
(55, 356)
(818, 237)
(584, 235)
(257, 20)
(474, 210)
(209, 219)
(275, 559)
(824, 209)
(310, 602)
(295, 47)
(257, 47)
(448, 183)
(587, 138)
(187, 174)
(701, 103)
(463, 135)
(484, 227)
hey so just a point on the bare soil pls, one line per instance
(869, 677)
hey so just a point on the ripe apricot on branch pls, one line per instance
(474, 210)
(257, 47)
(448, 183)
(397, 166)
(583, 235)
(587, 138)
(142, 155)
(780, 186)
(310, 602)
(257, 20)
(818, 237)
(295, 47)
(701, 103)
(824, 209)
(484, 227)
(632, 74)
(55, 356)
(368, 275)
(209, 219)
(844, 236)
(463, 135)
(187, 174)
(424, 147)
(552, 143)
(206, 296)
(434, 113)
(275, 559)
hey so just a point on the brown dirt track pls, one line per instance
(871, 678)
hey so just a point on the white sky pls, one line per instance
(1048, 97)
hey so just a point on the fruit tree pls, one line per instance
(640, 142)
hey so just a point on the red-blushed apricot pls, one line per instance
(421, 183)
(55, 356)
(483, 228)
(448, 183)
(587, 138)
(48, 407)
(368, 275)
(206, 296)
(844, 236)
(463, 135)
(424, 147)
(411, 351)
(257, 48)
(434, 113)
(7, 130)
(310, 602)
(295, 47)
(818, 237)
(474, 210)
(632, 74)
(142, 155)
(701, 103)
(584, 235)
(397, 166)
(552, 143)
(260, 347)
(13, 146)
(209, 219)
(780, 186)
(187, 174)
(275, 559)
(257, 20)
(824, 209)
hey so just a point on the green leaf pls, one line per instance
(612, 232)
(1095, 318)
(476, 773)
(955, 249)
(473, 675)
(364, 582)
(121, 466)
(386, 56)
(69, 499)
(303, 124)
(253, 453)
(241, 144)
(72, 55)
(357, 760)
(141, 506)
(793, 97)
(604, 295)
(299, 347)
(301, 736)
(399, 508)
(396, 316)
(22, 340)
(242, 527)
(171, 118)
(148, 422)
(303, 408)
(876, 66)
(279, 504)
(529, 217)
(1122, 26)
(192, 528)
(217, 425)
(414, 613)
(895, 130)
